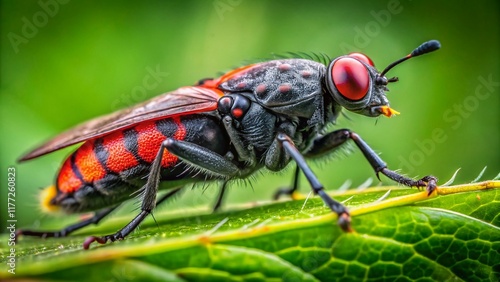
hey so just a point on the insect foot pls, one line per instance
(429, 182)
(101, 240)
(344, 222)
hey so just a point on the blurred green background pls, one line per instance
(64, 63)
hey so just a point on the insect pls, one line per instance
(260, 115)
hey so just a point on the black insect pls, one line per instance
(260, 115)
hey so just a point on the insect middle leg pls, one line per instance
(220, 197)
(198, 156)
(344, 219)
(289, 191)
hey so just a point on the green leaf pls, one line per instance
(453, 234)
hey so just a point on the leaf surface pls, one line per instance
(408, 236)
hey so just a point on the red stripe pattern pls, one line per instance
(119, 158)
(87, 163)
(84, 167)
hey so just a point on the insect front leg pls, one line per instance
(276, 157)
(245, 154)
(344, 219)
(336, 138)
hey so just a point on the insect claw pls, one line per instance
(91, 239)
(431, 187)
(431, 184)
(88, 241)
(344, 222)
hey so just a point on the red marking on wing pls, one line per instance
(86, 161)
(67, 181)
(119, 158)
(149, 140)
(183, 101)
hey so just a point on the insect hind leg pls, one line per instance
(95, 219)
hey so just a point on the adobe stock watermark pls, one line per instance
(11, 220)
(223, 6)
(31, 26)
(364, 35)
(150, 81)
(455, 116)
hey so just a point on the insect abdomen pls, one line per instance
(124, 157)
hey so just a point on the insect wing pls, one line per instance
(183, 101)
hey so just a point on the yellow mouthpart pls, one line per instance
(388, 112)
(46, 196)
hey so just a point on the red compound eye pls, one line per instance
(351, 78)
(363, 58)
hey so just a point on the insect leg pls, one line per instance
(200, 156)
(207, 160)
(95, 219)
(344, 218)
(168, 195)
(244, 153)
(289, 190)
(220, 197)
(148, 202)
(276, 157)
(336, 138)
(130, 226)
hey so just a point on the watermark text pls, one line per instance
(11, 219)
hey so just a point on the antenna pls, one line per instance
(425, 48)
